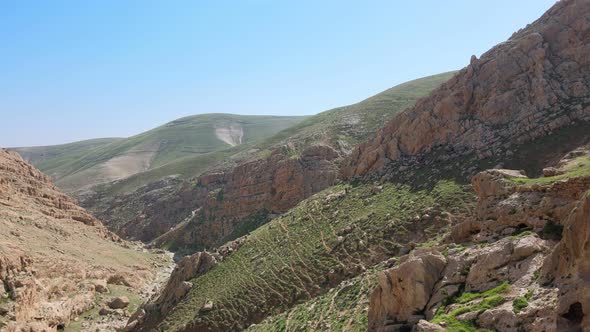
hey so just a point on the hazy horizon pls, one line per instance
(75, 71)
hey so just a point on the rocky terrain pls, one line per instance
(57, 260)
(516, 264)
(254, 184)
(469, 211)
(403, 245)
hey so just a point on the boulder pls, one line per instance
(100, 286)
(119, 302)
(405, 290)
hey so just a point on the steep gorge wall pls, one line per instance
(528, 87)
(226, 205)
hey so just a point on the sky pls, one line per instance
(73, 70)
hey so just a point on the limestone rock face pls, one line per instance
(528, 87)
(404, 291)
(52, 252)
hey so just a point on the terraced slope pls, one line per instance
(197, 135)
(332, 236)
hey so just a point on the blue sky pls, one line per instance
(72, 70)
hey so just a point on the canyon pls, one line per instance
(455, 202)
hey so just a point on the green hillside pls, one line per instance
(199, 135)
(337, 234)
(347, 126)
(47, 157)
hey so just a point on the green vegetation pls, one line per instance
(552, 231)
(48, 157)
(522, 302)
(577, 167)
(349, 125)
(473, 302)
(336, 234)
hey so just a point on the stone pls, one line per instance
(425, 326)
(100, 286)
(119, 302)
(104, 311)
(207, 306)
(551, 171)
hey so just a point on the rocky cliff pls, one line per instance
(534, 85)
(54, 256)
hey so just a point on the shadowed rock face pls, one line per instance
(525, 88)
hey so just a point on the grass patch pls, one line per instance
(519, 304)
(522, 302)
(486, 300)
(343, 308)
(576, 168)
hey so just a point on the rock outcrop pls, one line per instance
(404, 291)
(519, 263)
(533, 85)
(52, 252)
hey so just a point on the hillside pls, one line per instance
(45, 157)
(426, 231)
(82, 167)
(253, 181)
(57, 260)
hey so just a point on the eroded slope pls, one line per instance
(53, 253)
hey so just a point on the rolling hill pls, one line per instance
(82, 165)
(53, 155)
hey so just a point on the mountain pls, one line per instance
(422, 229)
(56, 259)
(253, 183)
(82, 165)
